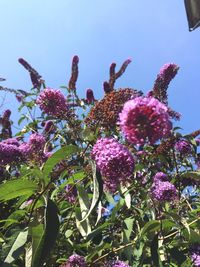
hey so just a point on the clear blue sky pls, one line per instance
(47, 33)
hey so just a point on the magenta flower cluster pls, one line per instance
(183, 147)
(144, 119)
(52, 102)
(160, 177)
(34, 149)
(9, 153)
(75, 261)
(195, 254)
(163, 191)
(114, 161)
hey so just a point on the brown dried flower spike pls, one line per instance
(106, 111)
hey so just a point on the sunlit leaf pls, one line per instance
(15, 188)
(97, 190)
(44, 236)
(16, 248)
(58, 156)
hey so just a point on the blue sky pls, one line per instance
(48, 33)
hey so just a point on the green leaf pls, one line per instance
(97, 190)
(126, 236)
(116, 208)
(88, 135)
(150, 226)
(154, 252)
(14, 217)
(58, 156)
(194, 236)
(191, 174)
(187, 263)
(109, 198)
(16, 248)
(83, 226)
(68, 233)
(44, 236)
(37, 234)
(98, 231)
(187, 227)
(15, 188)
(127, 196)
(137, 253)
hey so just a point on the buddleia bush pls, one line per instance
(87, 182)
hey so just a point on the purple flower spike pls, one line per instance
(166, 74)
(90, 96)
(6, 114)
(106, 87)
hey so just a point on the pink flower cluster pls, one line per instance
(52, 102)
(114, 161)
(144, 119)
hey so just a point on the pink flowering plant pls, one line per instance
(91, 183)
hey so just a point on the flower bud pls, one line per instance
(106, 87)
(90, 96)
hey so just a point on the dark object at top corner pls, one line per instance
(193, 13)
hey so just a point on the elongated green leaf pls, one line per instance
(187, 263)
(98, 230)
(44, 237)
(16, 188)
(137, 252)
(191, 174)
(126, 236)
(155, 252)
(16, 248)
(83, 226)
(116, 208)
(14, 217)
(59, 155)
(187, 227)
(97, 190)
